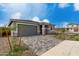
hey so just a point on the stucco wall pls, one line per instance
(13, 27)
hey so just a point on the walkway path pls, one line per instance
(65, 48)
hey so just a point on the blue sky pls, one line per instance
(59, 14)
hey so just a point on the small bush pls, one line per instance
(60, 36)
(16, 51)
(67, 37)
(76, 37)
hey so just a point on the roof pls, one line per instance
(73, 24)
(21, 20)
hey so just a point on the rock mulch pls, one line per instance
(4, 46)
(40, 44)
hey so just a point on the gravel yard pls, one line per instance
(40, 44)
(4, 46)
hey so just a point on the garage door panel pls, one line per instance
(27, 30)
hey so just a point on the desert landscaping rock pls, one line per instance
(4, 46)
(40, 44)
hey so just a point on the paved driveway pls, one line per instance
(65, 48)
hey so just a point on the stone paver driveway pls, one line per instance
(65, 48)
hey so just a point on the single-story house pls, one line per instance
(72, 27)
(29, 28)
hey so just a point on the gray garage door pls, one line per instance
(27, 30)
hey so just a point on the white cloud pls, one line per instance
(1, 25)
(64, 24)
(16, 15)
(46, 20)
(63, 5)
(3, 7)
(76, 6)
(36, 19)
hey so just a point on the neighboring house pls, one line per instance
(29, 28)
(73, 28)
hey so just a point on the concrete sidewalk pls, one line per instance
(65, 48)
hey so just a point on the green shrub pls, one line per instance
(76, 37)
(67, 37)
(16, 51)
